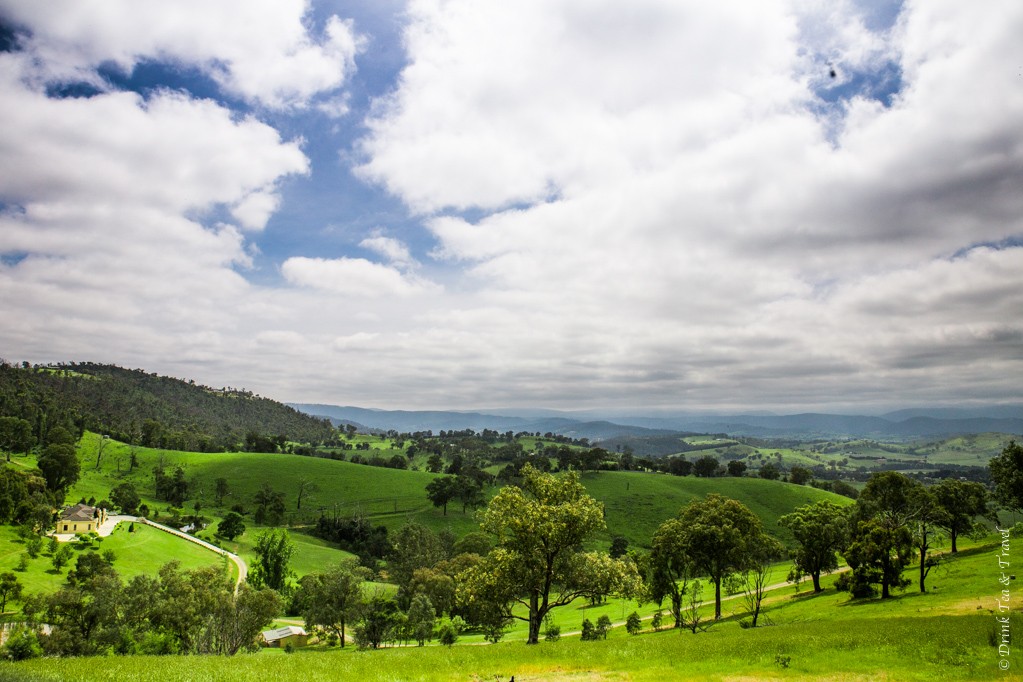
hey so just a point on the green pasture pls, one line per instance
(944, 634)
(141, 552)
(637, 503)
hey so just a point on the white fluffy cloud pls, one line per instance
(258, 50)
(666, 210)
(654, 203)
(352, 276)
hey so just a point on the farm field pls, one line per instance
(944, 634)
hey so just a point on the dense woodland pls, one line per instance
(137, 407)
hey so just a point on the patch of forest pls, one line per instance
(139, 407)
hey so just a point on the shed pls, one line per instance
(281, 637)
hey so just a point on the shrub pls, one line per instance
(589, 632)
(633, 624)
(21, 644)
(551, 630)
(603, 627)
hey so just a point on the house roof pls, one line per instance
(281, 633)
(79, 512)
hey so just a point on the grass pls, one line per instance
(142, 552)
(638, 503)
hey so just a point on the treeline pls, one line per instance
(175, 612)
(137, 407)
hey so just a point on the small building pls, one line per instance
(281, 637)
(81, 518)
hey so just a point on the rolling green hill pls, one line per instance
(135, 406)
(636, 503)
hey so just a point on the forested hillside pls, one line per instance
(134, 406)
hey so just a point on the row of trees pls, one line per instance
(187, 612)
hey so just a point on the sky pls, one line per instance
(654, 205)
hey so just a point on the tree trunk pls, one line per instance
(816, 575)
(923, 566)
(342, 634)
(717, 598)
(954, 535)
(534, 620)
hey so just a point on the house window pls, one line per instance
(65, 527)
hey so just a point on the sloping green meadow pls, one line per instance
(949, 633)
(932, 648)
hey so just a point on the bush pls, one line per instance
(551, 630)
(603, 627)
(21, 644)
(633, 624)
(589, 632)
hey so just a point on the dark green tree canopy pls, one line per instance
(1007, 475)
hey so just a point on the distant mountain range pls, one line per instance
(910, 423)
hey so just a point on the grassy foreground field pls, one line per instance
(945, 634)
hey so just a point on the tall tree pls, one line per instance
(441, 491)
(60, 467)
(334, 598)
(538, 562)
(963, 502)
(414, 546)
(670, 567)
(720, 535)
(1007, 475)
(881, 539)
(274, 550)
(822, 530)
(15, 435)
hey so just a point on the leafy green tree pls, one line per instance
(706, 466)
(269, 505)
(603, 627)
(61, 556)
(60, 467)
(334, 598)
(670, 566)
(421, 619)
(822, 530)
(1007, 475)
(633, 624)
(378, 621)
(736, 467)
(881, 540)
(719, 536)
(414, 546)
(231, 526)
(538, 562)
(15, 435)
(800, 475)
(221, 489)
(963, 502)
(10, 589)
(469, 492)
(125, 497)
(274, 550)
(769, 472)
(441, 491)
(588, 632)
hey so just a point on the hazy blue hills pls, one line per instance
(902, 424)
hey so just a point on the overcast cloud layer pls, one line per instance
(789, 205)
